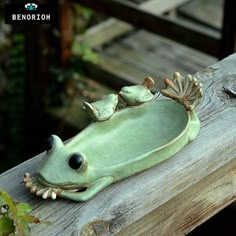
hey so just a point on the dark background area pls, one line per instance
(37, 72)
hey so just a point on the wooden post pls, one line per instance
(65, 18)
(228, 41)
(61, 39)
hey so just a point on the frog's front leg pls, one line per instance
(91, 191)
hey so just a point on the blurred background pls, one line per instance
(47, 71)
(42, 81)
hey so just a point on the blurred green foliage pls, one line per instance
(15, 217)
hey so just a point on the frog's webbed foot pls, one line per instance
(90, 191)
(38, 189)
(185, 90)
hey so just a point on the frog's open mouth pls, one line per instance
(41, 187)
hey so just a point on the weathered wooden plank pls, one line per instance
(102, 33)
(189, 209)
(112, 28)
(130, 59)
(160, 6)
(198, 37)
(206, 166)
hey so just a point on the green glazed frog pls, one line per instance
(129, 141)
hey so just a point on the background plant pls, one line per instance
(14, 216)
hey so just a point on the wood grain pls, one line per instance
(189, 209)
(129, 59)
(192, 185)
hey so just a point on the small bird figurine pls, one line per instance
(103, 109)
(138, 94)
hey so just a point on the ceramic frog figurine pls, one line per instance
(132, 140)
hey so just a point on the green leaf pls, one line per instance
(23, 219)
(6, 226)
(5, 197)
(17, 218)
(2, 202)
(23, 208)
(30, 219)
(22, 228)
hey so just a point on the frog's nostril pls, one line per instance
(76, 161)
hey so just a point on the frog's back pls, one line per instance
(131, 134)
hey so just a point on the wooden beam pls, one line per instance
(178, 30)
(102, 33)
(160, 6)
(107, 30)
(200, 178)
(228, 42)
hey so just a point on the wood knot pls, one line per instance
(95, 228)
(230, 85)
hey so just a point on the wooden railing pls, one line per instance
(197, 37)
(145, 15)
(171, 198)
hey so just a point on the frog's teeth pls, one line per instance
(33, 189)
(53, 195)
(26, 175)
(26, 178)
(40, 192)
(29, 184)
(46, 194)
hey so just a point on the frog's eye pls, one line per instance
(76, 161)
(49, 143)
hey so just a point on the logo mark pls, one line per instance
(31, 6)
(30, 12)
